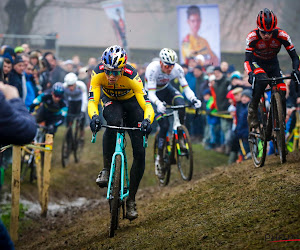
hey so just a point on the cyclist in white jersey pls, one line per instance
(157, 77)
(76, 98)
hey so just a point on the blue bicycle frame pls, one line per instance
(119, 150)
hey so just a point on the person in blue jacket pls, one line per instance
(18, 127)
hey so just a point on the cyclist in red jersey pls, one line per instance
(263, 45)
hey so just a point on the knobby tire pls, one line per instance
(167, 165)
(66, 147)
(258, 145)
(115, 199)
(279, 124)
(185, 158)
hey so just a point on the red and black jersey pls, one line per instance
(257, 48)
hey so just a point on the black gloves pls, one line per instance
(294, 74)
(251, 77)
(146, 127)
(51, 129)
(95, 123)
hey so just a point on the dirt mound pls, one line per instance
(234, 206)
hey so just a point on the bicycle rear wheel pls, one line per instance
(167, 166)
(279, 123)
(258, 138)
(66, 147)
(184, 153)
(114, 200)
(78, 143)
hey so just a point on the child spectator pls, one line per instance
(242, 129)
(211, 121)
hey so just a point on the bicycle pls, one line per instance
(292, 140)
(118, 187)
(184, 153)
(72, 142)
(271, 125)
(28, 161)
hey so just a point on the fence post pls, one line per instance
(15, 193)
(37, 158)
(46, 174)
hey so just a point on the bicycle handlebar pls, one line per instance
(179, 106)
(275, 79)
(145, 137)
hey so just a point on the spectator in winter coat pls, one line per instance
(17, 78)
(17, 126)
(242, 129)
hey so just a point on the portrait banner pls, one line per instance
(115, 12)
(199, 33)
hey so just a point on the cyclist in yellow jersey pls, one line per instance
(124, 100)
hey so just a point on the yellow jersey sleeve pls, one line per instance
(94, 94)
(142, 98)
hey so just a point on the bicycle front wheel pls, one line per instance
(258, 138)
(114, 201)
(279, 125)
(166, 168)
(78, 143)
(184, 153)
(66, 147)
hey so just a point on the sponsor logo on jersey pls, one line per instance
(251, 37)
(91, 95)
(275, 44)
(101, 67)
(138, 78)
(261, 45)
(128, 71)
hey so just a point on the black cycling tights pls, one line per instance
(113, 113)
(164, 123)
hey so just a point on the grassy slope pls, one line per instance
(228, 207)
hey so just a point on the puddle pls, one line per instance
(33, 209)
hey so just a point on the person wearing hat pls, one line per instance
(18, 50)
(17, 78)
(242, 129)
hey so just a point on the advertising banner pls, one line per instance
(115, 12)
(199, 33)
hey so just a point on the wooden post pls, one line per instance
(15, 193)
(37, 157)
(46, 174)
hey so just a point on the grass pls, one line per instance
(235, 206)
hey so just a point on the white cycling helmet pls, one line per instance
(71, 78)
(168, 56)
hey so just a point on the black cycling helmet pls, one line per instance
(266, 20)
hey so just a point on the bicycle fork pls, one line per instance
(119, 150)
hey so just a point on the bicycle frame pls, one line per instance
(176, 124)
(119, 150)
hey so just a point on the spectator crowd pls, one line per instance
(224, 92)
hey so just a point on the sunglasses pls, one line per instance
(266, 32)
(168, 66)
(111, 72)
